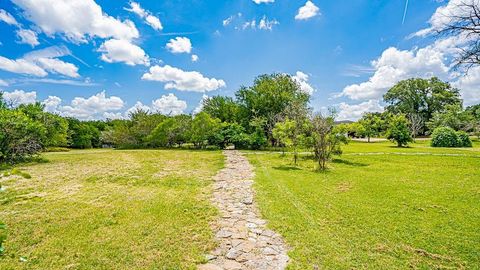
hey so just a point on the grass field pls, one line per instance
(107, 209)
(378, 207)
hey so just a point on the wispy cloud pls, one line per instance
(357, 70)
(86, 82)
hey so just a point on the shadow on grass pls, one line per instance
(350, 163)
(287, 168)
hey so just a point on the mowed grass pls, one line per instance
(110, 209)
(378, 207)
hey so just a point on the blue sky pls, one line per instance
(81, 48)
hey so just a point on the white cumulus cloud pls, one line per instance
(76, 19)
(58, 66)
(302, 80)
(118, 50)
(179, 45)
(176, 78)
(194, 58)
(18, 97)
(355, 111)
(21, 66)
(469, 86)
(309, 10)
(28, 37)
(169, 104)
(93, 107)
(395, 65)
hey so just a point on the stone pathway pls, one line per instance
(244, 241)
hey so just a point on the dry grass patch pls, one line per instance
(108, 209)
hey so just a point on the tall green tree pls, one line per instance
(203, 127)
(421, 96)
(454, 117)
(55, 125)
(268, 98)
(223, 108)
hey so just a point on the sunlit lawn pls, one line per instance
(108, 209)
(378, 207)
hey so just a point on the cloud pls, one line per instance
(169, 104)
(302, 80)
(78, 20)
(263, 1)
(266, 24)
(21, 66)
(228, 20)
(199, 107)
(309, 10)
(176, 78)
(151, 20)
(166, 104)
(51, 103)
(85, 82)
(117, 50)
(194, 58)
(179, 45)
(469, 86)
(40, 61)
(446, 15)
(28, 37)
(8, 18)
(355, 111)
(93, 107)
(49, 52)
(18, 97)
(3, 83)
(58, 66)
(395, 65)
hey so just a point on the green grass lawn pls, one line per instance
(108, 209)
(378, 207)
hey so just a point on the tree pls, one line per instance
(463, 21)
(20, 136)
(203, 128)
(82, 135)
(223, 108)
(398, 130)
(56, 126)
(3, 103)
(231, 133)
(421, 96)
(326, 140)
(268, 98)
(454, 117)
(371, 124)
(172, 131)
(416, 124)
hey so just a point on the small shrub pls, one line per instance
(463, 139)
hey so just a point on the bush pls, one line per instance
(398, 130)
(463, 139)
(447, 137)
(20, 137)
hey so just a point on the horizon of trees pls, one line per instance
(272, 112)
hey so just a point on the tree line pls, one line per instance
(272, 112)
